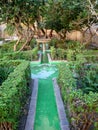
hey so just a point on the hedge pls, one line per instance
(12, 96)
(88, 58)
(23, 55)
(82, 108)
(58, 54)
(6, 67)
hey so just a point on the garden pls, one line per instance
(72, 30)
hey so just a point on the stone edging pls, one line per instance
(49, 58)
(52, 61)
(32, 109)
(60, 107)
(40, 55)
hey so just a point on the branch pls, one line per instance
(94, 13)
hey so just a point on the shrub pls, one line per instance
(70, 55)
(57, 43)
(12, 96)
(9, 46)
(87, 77)
(82, 107)
(61, 54)
(23, 55)
(58, 54)
(53, 52)
(33, 43)
(6, 67)
(4, 72)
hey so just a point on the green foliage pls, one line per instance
(89, 56)
(75, 15)
(8, 47)
(70, 55)
(22, 55)
(61, 54)
(33, 43)
(74, 49)
(90, 80)
(10, 29)
(4, 72)
(58, 54)
(13, 94)
(53, 52)
(87, 76)
(66, 79)
(82, 107)
(57, 43)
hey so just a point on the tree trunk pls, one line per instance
(50, 35)
(26, 43)
(43, 31)
(15, 46)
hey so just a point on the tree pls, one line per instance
(67, 15)
(21, 14)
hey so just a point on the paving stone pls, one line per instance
(64, 122)
(60, 107)
(65, 128)
(32, 109)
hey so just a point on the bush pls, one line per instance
(4, 72)
(33, 43)
(6, 67)
(9, 46)
(12, 96)
(57, 43)
(53, 53)
(61, 54)
(70, 55)
(58, 54)
(82, 107)
(23, 55)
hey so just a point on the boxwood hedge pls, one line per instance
(13, 94)
(20, 55)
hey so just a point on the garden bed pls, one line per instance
(81, 101)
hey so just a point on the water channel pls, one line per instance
(46, 117)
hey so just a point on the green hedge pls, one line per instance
(13, 94)
(82, 107)
(6, 67)
(88, 58)
(58, 54)
(23, 55)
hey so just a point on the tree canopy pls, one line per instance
(58, 15)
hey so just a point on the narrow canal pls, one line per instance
(46, 117)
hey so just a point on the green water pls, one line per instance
(46, 110)
(44, 58)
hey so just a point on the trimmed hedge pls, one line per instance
(23, 55)
(12, 95)
(58, 54)
(6, 67)
(82, 107)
